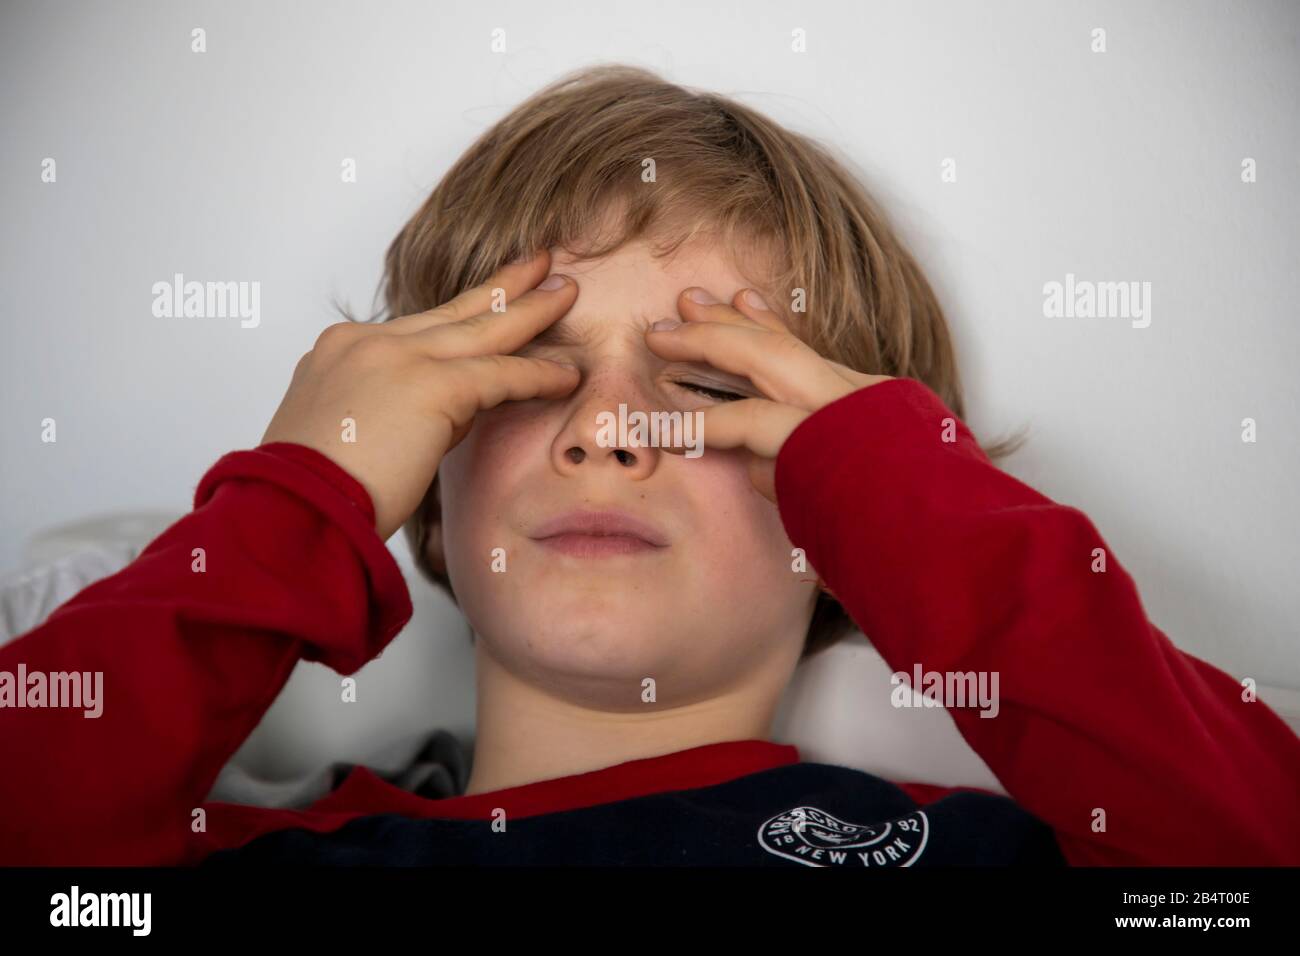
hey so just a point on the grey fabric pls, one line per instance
(432, 764)
(28, 597)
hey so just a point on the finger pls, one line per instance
(780, 366)
(485, 381)
(755, 424)
(854, 377)
(693, 310)
(492, 333)
(504, 285)
(762, 475)
(844, 371)
(751, 304)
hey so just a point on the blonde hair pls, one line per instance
(550, 171)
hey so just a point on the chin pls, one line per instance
(595, 645)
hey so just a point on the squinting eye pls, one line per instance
(715, 393)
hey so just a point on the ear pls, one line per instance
(433, 549)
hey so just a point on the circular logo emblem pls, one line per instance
(816, 838)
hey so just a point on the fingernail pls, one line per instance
(552, 282)
(665, 325)
(755, 300)
(701, 296)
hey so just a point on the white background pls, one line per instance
(1121, 166)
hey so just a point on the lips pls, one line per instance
(592, 526)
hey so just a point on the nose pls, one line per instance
(599, 435)
(629, 460)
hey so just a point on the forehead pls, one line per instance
(633, 287)
(635, 267)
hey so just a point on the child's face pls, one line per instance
(715, 609)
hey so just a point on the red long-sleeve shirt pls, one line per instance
(941, 559)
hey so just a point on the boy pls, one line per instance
(636, 613)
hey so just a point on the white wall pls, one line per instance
(1123, 165)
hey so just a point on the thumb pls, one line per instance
(762, 474)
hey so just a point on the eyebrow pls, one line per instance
(562, 334)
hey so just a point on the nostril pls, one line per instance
(576, 455)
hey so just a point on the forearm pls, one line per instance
(1134, 751)
(194, 640)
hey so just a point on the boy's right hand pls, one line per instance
(412, 385)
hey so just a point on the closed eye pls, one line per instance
(715, 393)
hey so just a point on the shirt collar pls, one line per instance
(702, 766)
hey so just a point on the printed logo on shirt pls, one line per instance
(816, 838)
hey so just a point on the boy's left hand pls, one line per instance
(751, 341)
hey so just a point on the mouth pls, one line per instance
(599, 534)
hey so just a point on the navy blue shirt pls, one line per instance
(808, 814)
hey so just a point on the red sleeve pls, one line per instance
(191, 660)
(947, 562)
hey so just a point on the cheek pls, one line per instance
(476, 480)
(744, 547)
